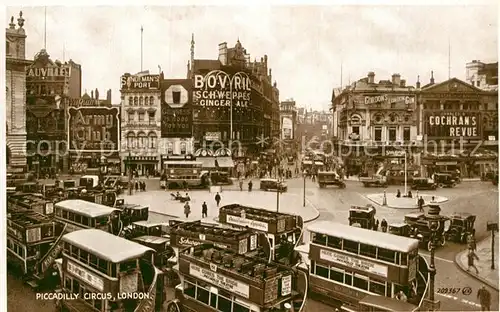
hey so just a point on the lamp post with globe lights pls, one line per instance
(434, 222)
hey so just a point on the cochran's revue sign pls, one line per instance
(220, 89)
(253, 224)
(93, 129)
(352, 262)
(219, 280)
(452, 124)
(140, 82)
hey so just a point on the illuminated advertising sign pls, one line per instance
(176, 108)
(140, 82)
(93, 129)
(442, 124)
(220, 89)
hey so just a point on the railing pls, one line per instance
(148, 303)
(423, 268)
(49, 258)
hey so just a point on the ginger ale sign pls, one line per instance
(220, 89)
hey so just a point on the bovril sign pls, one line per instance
(385, 98)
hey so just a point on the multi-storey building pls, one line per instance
(459, 125)
(376, 119)
(288, 120)
(235, 101)
(47, 82)
(482, 75)
(140, 122)
(313, 127)
(15, 80)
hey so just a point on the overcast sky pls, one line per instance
(306, 45)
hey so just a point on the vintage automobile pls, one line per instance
(444, 180)
(362, 216)
(273, 185)
(400, 229)
(220, 178)
(89, 181)
(423, 184)
(375, 180)
(419, 225)
(461, 226)
(326, 178)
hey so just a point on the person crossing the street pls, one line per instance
(383, 225)
(217, 199)
(484, 298)
(470, 260)
(421, 203)
(187, 209)
(241, 184)
(204, 210)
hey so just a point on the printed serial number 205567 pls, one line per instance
(450, 291)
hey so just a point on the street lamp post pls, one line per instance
(433, 220)
(278, 198)
(406, 173)
(304, 176)
(129, 173)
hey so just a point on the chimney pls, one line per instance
(270, 74)
(108, 96)
(92, 94)
(418, 82)
(371, 77)
(396, 79)
(96, 94)
(223, 53)
(403, 83)
(432, 77)
(265, 59)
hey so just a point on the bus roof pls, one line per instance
(85, 208)
(156, 240)
(364, 236)
(148, 224)
(105, 245)
(383, 303)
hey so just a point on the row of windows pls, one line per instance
(73, 286)
(223, 301)
(142, 117)
(79, 219)
(360, 281)
(142, 141)
(141, 100)
(16, 248)
(392, 133)
(44, 89)
(370, 251)
(97, 263)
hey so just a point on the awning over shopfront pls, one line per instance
(225, 162)
(141, 159)
(207, 162)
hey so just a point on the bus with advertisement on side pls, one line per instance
(217, 279)
(355, 269)
(183, 172)
(109, 273)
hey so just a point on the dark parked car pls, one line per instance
(423, 184)
(273, 185)
(326, 178)
(461, 226)
(444, 180)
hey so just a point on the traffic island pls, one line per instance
(404, 202)
(162, 202)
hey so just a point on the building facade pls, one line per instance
(482, 75)
(313, 127)
(235, 102)
(288, 120)
(459, 125)
(15, 96)
(375, 121)
(47, 83)
(140, 122)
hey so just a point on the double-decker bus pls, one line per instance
(35, 202)
(217, 279)
(30, 236)
(282, 231)
(346, 264)
(108, 272)
(181, 172)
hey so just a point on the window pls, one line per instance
(377, 287)
(67, 283)
(322, 271)
(239, 308)
(319, 239)
(368, 250)
(472, 82)
(93, 261)
(176, 97)
(378, 134)
(355, 130)
(348, 278)
(386, 255)
(213, 300)
(392, 134)
(189, 289)
(406, 133)
(393, 105)
(7, 47)
(202, 293)
(127, 265)
(404, 258)
(351, 246)
(141, 116)
(131, 116)
(334, 242)
(223, 303)
(151, 116)
(170, 148)
(130, 140)
(151, 100)
(141, 100)
(336, 275)
(146, 100)
(183, 148)
(136, 100)
(478, 83)
(152, 140)
(360, 282)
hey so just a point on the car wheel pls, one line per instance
(440, 185)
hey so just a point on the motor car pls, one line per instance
(420, 230)
(423, 184)
(444, 180)
(326, 178)
(273, 185)
(400, 229)
(462, 225)
(364, 216)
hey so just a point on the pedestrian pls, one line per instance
(204, 210)
(471, 240)
(484, 298)
(187, 209)
(185, 185)
(375, 225)
(187, 197)
(383, 225)
(470, 260)
(217, 199)
(421, 204)
(410, 195)
(398, 194)
(136, 186)
(250, 184)
(432, 199)
(241, 184)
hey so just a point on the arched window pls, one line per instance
(355, 119)
(151, 100)
(130, 100)
(146, 100)
(142, 140)
(141, 100)
(183, 148)
(136, 100)
(152, 140)
(130, 140)
(378, 118)
(170, 148)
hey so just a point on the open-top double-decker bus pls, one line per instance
(33, 202)
(30, 236)
(109, 273)
(345, 264)
(282, 231)
(217, 279)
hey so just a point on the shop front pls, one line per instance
(142, 165)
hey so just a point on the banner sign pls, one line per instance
(354, 262)
(387, 98)
(220, 89)
(78, 102)
(220, 281)
(93, 129)
(253, 224)
(140, 82)
(452, 124)
(176, 108)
